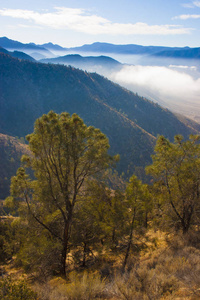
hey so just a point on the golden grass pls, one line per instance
(169, 268)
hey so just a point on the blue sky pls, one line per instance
(77, 22)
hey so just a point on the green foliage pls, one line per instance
(15, 290)
(39, 255)
(176, 168)
(137, 205)
(139, 199)
(7, 240)
(110, 219)
(11, 151)
(65, 152)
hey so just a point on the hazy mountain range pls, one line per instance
(185, 52)
(47, 49)
(17, 54)
(101, 64)
(36, 51)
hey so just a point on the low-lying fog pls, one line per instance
(175, 87)
(174, 83)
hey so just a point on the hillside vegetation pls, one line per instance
(131, 122)
(74, 237)
(11, 150)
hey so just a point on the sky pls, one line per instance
(74, 23)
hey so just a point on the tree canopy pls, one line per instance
(176, 168)
(65, 154)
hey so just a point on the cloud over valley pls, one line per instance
(175, 87)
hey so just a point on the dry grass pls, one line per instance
(172, 271)
(83, 286)
(168, 269)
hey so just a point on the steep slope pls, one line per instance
(11, 151)
(27, 90)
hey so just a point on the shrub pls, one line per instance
(83, 286)
(143, 283)
(10, 290)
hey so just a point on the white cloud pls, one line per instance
(82, 21)
(176, 89)
(192, 4)
(187, 5)
(196, 3)
(186, 17)
(183, 67)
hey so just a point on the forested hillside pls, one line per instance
(11, 150)
(131, 122)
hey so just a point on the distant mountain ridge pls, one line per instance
(17, 54)
(50, 46)
(91, 63)
(30, 48)
(47, 49)
(11, 44)
(78, 58)
(119, 49)
(187, 53)
(176, 52)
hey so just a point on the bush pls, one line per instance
(40, 257)
(84, 286)
(10, 290)
(144, 283)
(7, 240)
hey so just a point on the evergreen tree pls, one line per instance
(176, 168)
(137, 206)
(65, 153)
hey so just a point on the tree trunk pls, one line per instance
(64, 249)
(146, 220)
(129, 243)
(114, 241)
(185, 226)
(84, 254)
